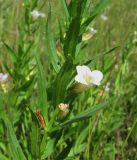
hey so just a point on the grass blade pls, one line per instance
(42, 90)
(11, 53)
(85, 115)
(2, 157)
(65, 10)
(50, 45)
(14, 146)
(98, 8)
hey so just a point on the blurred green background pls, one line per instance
(118, 125)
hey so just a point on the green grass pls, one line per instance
(40, 56)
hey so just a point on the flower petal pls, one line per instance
(96, 76)
(3, 77)
(79, 79)
(82, 70)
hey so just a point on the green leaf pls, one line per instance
(49, 148)
(98, 8)
(80, 148)
(27, 50)
(9, 70)
(50, 144)
(14, 146)
(43, 143)
(73, 33)
(2, 157)
(11, 53)
(88, 113)
(61, 36)
(82, 136)
(63, 2)
(27, 85)
(35, 138)
(61, 82)
(42, 90)
(85, 114)
(65, 151)
(77, 7)
(100, 55)
(34, 4)
(50, 45)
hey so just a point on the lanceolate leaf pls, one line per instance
(73, 33)
(65, 10)
(35, 139)
(50, 145)
(50, 45)
(63, 79)
(49, 149)
(98, 8)
(101, 54)
(14, 146)
(85, 115)
(65, 151)
(11, 53)
(43, 105)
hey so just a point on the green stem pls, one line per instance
(53, 119)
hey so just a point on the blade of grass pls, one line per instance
(61, 82)
(35, 139)
(98, 8)
(101, 54)
(73, 33)
(50, 45)
(85, 115)
(14, 146)
(51, 145)
(2, 157)
(42, 90)
(11, 53)
(65, 151)
(63, 2)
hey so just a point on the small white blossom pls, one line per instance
(64, 108)
(87, 77)
(135, 37)
(37, 14)
(135, 33)
(92, 30)
(104, 17)
(3, 77)
(135, 40)
(107, 87)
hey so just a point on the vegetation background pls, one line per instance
(102, 121)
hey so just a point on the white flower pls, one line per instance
(135, 40)
(92, 30)
(87, 77)
(135, 33)
(107, 87)
(37, 14)
(135, 37)
(64, 108)
(104, 18)
(3, 77)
